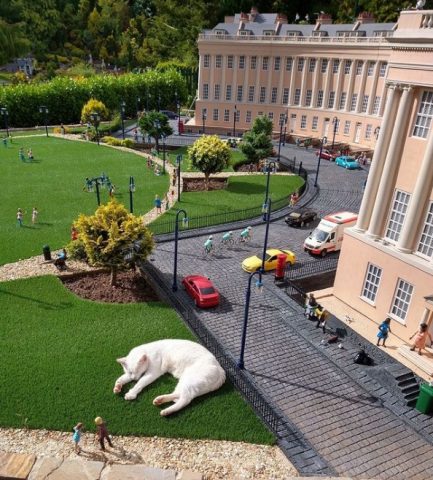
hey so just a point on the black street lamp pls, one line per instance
(178, 161)
(235, 112)
(137, 104)
(335, 121)
(95, 181)
(122, 117)
(178, 113)
(286, 116)
(5, 115)
(376, 132)
(269, 166)
(203, 118)
(259, 287)
(131, 191)
(283, 120)
(323, 141)
(157, 126)
(176, 236)
(43, 109)
(267, 212)
(163, 153)
(95, 117)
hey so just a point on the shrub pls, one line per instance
(76, 250)
(115, 142)
(127, 143)
(94, 106)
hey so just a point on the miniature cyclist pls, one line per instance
(208, 244)
(246, 234)
(227, 237)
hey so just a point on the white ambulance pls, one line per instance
(328, 235)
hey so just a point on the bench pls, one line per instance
(424, 362)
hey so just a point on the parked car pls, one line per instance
(347, 162)
(301, 217)
(202, 291)
(327, 155)
(233, 142)
(169, 114)
(252, 264)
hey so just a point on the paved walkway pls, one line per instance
(352, 420)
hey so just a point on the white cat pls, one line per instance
(196, 368)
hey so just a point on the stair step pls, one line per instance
(404, 376)
(411, 403)
(406, 383)
(423, 362)
(411, 396)
(411, 389)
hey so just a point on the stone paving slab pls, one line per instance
(44, 466)
(136, 472)
(15, 466)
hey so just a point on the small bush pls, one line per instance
(94, 106)
(76, 251)
(127, 143)
(115, 142)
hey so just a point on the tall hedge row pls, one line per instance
(65, 97)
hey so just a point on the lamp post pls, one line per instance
(335, 122)
(95, 120)
(267, 213)
(285, 128)
(259, 286)
(43, 109)
(178, 113)
(131, 191)
(268, 166)
(5, 115)
(178, 161)
(322, 142)
(163, 154)
(138, 100)
(95, 181)
(122, 117)
(203, 118)
(157, 126)
(235, 112)
(283, 120)
(176, 235)
(376, 132)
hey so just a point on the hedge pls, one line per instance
(65, 97)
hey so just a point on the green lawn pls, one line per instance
(54, 184)
(59, 368)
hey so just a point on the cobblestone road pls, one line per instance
(318, 388)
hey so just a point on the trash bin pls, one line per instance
(47, 252)
(281, 266)
(424, 403)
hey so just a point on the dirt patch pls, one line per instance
(198, 184)
(131, 287)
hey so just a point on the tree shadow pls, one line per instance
(246, 188)
(41, 303)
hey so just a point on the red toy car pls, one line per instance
(327, 155)
(202, 291)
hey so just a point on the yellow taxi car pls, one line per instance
(251, 264)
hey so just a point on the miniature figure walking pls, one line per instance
(421, 336)
(384, 329)
(35, 214)
(76, 437)
(20, 215)
(102, 433)
(157, 203)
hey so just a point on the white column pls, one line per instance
(361, 90)
(329, 75)
(378, 161)
(292, 80)
(372, 92)
(350, 89)
(340, 82)
(391, 167)
(418, 201)
(304, 81)
(315, 82)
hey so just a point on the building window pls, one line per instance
(286, 92)
(319, 102)
(277, 63)
(238, 115)
(230, 61)
(376, 106)
(331, 99)
(335, 65)
(297, 98)
(226, 115)
(262, 95)
(253, 63)
(303, 121)
(205, 91)
(242, 61)
(217, 91)
(402, 297)
(215, 115)
(346, 127)
(240, 93)
(324, 65)
(396, 218)
(248, 117)
(308, 97)
(228, 92)
(364, 103)
(300, 64)
(337, 125)
(312, 65)
(371, 282)
(343, 97)
(251, 93)
(289, 64)
(206, 61)
(274, 94)
(424, 116)
(382, 71)
(347, 65)
(354, 102)
(271, 115)
(265, 63)
(370, 68)
(368, 131)
(314, 123)
(282, 119)
(218, 61)
(359, 65)
(425, 246)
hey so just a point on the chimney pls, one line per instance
(366, 17)
(244, 17)
(281, 18)
(253, 14)
(324, 19)
(229, 19)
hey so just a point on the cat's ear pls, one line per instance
(122, 361)
(143, 359)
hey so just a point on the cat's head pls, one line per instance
(134, 367)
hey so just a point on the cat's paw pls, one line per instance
(117, 388)
(130, 396)
(158, 401)
(164, 413)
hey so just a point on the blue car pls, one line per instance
(347, 162)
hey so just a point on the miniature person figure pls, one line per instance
(35, 214)
(60, 261)
(135, 135)
(421, 336)
(208, 244)
(30, 154)
(111, 190)
(62, 129)
(246, 234)
(102, 433)
(74, 233)
(294, 197)
(310, 306)
(20, 215)
(322, 316)
(384, 329)
(5, 142)
(21, 154)
(157, 171)
(157, 203)
(76, 437)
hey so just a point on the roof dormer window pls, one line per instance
(268, 33)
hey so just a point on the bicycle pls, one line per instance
(246, 235)
(208, 246)
(227, 239)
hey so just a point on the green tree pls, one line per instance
(112, 238)
(257, 142)
(94, 106)
(210, 155)
(155, 124)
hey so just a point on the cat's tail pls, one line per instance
(180, 403)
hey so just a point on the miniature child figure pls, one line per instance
(21, 154)
(20, 215)
(157, 203)
(76, 437)
(322, 316)
(35, 214)
(421, 336)
(384, 329)
(74, 233)
(111, 190)
(311, 306)
(246, 234)
(208, 244)
(294, 197)
(5, 142)
(30, 154)
(102, 433)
